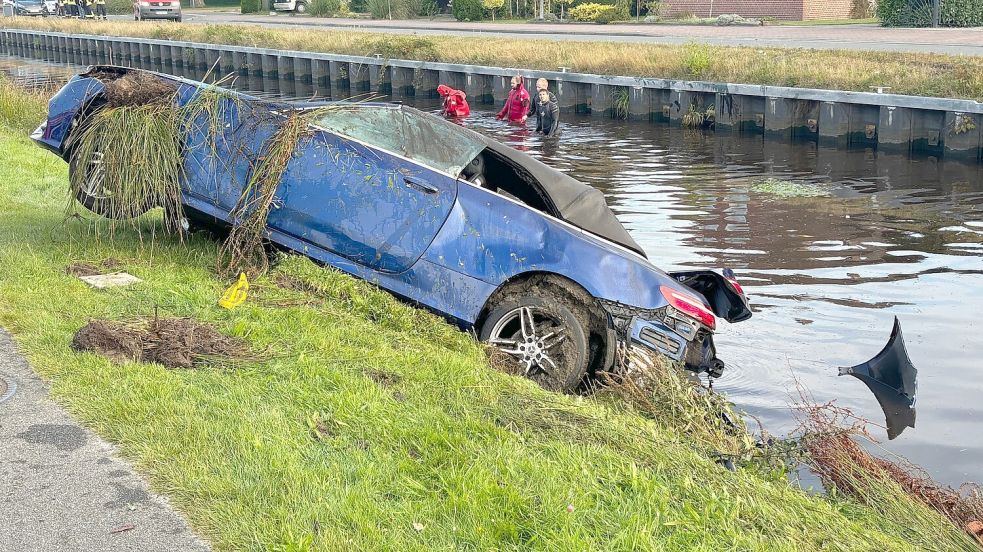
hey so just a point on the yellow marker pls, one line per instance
(235, 295)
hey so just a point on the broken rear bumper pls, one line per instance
(697, 354)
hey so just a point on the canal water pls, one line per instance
(830, 245)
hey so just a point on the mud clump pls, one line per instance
(136, 88)
(82, 268)
(171, 342)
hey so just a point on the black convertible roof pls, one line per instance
(572, 201)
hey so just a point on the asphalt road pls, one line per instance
(851, 37)
(62, 488)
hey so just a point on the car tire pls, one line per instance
(545, 331)
(93, 194)
(301, 8)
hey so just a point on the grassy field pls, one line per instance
(905, 73)
(367, 424)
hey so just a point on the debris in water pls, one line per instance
(171, 342)
(786, 189)
(890, 375)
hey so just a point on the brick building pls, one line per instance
(793, 10)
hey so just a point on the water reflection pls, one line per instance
(890, 236)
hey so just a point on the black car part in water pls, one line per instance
(890, 375)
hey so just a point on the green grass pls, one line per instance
(370, 425)
(906, 73)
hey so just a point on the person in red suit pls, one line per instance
(517, 104)
(455, 102)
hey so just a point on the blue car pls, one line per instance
(531, 260)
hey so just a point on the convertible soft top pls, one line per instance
(575, 202)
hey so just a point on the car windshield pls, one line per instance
(426, 139)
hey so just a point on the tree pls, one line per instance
(563, 4)
(492, 6)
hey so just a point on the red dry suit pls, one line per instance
(517, 104)
(455, 102)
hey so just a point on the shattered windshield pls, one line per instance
(425, 139)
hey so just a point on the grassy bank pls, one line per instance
(366, 424)
(905, 73)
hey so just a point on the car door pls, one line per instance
(221, 147)
(347, 191)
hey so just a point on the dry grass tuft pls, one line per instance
(671, 397)
(901, 491)
(245, 248)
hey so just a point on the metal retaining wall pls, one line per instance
(891, 122)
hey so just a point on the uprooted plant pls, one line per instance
(245, 250)
(663, 392)
(127, 160)
(902, 493)
(171, 342)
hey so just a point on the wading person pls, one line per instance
(547, 114)
(455, 102)
(516, 108)
(101, 9)
(541, 84)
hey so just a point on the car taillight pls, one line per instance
(736, 285)
(690, 306)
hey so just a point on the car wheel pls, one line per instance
(545, 332)
(93, 193)
(301, 8)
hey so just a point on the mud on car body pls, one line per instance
(531, 260)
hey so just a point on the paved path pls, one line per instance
(62, 488)
(852, 37)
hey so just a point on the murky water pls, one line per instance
(880, 236)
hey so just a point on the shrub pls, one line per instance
(469, 10)
(249, 6)
(323, 8)
(918, 13)
(699, 58)
(358, 6)
(593, 12)
(492, 5)
(405, 47)
(862, 9)
(399, 9)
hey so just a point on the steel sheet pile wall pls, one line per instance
(908, 124)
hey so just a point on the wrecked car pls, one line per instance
(531, 260)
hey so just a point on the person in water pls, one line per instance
(547, 113)
(516, 109)
(541, 84)
(455, 102)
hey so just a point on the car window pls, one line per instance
(438, 144)
(427, 140)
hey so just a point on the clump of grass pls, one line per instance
(694, 118)
(21, 110)
(787, 189)
(128, 160)
(672, 398)
(926, 513)
(245, 248)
